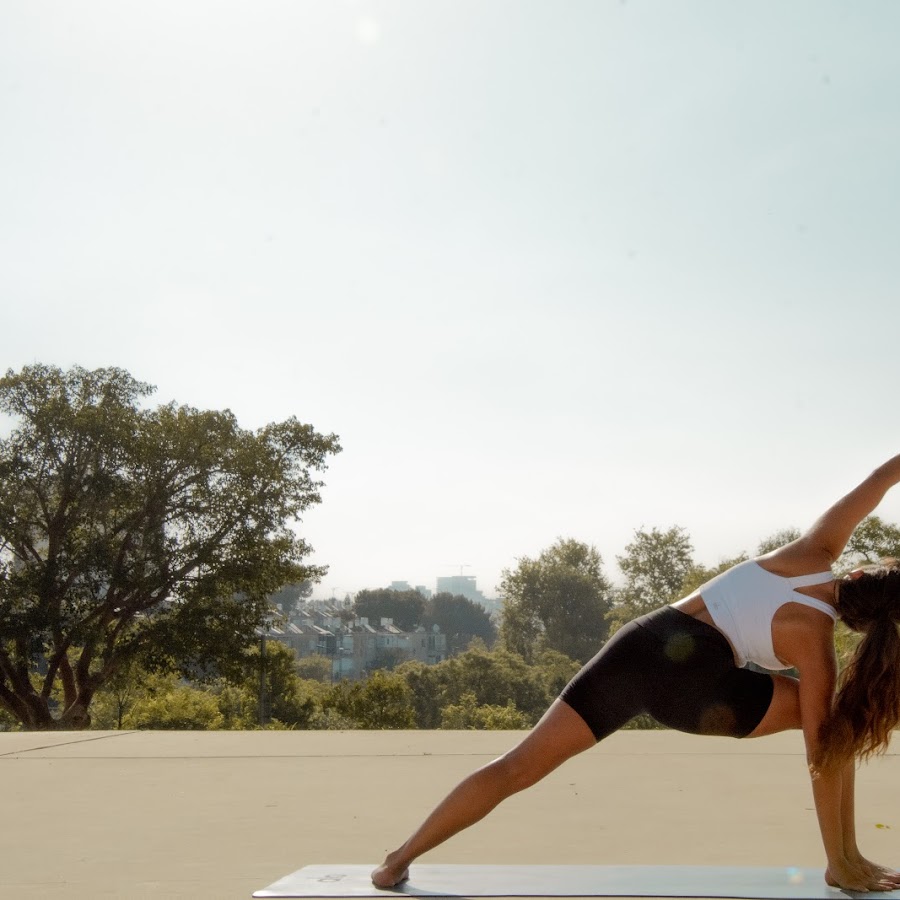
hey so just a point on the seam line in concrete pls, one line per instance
(262, 756)
(84, 740)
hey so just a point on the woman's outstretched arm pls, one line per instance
(833, 528)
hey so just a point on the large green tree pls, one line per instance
(428, 687)
(404, 607)
(776, 540)
(130, 532)
(495, 677)
(283, 696)
(384, 700)
(871, 542)
(291, 596)
(461, 619)
(558, 601)
(655, 565)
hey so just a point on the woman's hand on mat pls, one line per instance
(862, 876)
(387, 875)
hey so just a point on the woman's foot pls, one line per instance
(390, 873)
(854, 877)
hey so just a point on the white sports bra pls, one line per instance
(743, 601)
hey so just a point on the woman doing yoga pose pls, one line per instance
(683, 664)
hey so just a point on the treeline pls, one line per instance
(479, 688)
(562, 598)
(140, 547)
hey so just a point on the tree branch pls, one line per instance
(34, 711)
(70, 692)
(11, 703)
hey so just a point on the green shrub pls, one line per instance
(468, 715)
(383, 700)
(182, 707)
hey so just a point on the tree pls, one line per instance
(428, 686)
(158, 701)
(291, 596)
(175, 707)
(387, 659)
(404, 607)
(873, 541)
(469, 715)
(558, 601)
(495, 677)
(119, 695)
(314, 668)
(776, 540)
(131, 533)
(461, 619)
(383, 700)
(655, 565)
(286, 699)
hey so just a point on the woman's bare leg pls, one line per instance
(559, 735)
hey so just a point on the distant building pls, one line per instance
(354, 646)
(463, 585)
(405, 586)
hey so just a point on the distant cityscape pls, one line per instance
(461, 585)
(354, 645)
(458, 585)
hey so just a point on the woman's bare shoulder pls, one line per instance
(800, 557)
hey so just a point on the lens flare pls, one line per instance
(679, 647)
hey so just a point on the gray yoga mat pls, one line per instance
(754, 883)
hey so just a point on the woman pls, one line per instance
(682, 664)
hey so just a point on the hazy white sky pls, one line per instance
(561, 268)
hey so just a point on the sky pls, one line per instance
(548, 269)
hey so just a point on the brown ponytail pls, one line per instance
(867, 706)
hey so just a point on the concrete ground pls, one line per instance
(220, 814)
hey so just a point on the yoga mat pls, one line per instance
(753, 883)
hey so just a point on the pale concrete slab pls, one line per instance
(36, 741)
(236, 744)
(221, 814)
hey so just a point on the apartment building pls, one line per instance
(356, 646)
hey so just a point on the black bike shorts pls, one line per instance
(679, 670)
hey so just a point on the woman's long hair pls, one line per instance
(867, 706)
